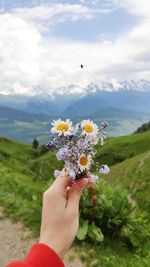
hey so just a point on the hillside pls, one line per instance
(10, 115)
(118, 113)
(24, 174)
(25, 126)
(24, 177)
(143, 128)
(117, 149)
(22, 125)
(99, 99)
(121, 121)
(134, 175)
(33, 104)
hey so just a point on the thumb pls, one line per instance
(62, 181)
(75, 193)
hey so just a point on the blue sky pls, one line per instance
(43, 43)
(104, 25)
(110, 23)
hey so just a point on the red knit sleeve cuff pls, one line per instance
(17, 264)
(40, 255)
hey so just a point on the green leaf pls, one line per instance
(83, 229)
(95, 233)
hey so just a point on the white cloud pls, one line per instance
(46, 16)
(101, 3)
(137, 7)
(19, 52)
(29, 59)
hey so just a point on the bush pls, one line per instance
(109, 214)
(145, 127)
(136, 232)
(41, 150)
(35, 143)
(114, 157)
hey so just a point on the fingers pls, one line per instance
(62, 181)
(75, 193)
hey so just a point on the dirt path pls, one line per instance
(15, 242)
(143, 159)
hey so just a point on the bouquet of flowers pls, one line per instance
(76, 147)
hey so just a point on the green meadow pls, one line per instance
(114, 214)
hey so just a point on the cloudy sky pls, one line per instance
(43, 42)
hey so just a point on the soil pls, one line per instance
(16, 241)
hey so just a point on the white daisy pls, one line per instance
(89, 127)
(84, 162)
(62, 127)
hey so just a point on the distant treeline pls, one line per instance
(145, 127)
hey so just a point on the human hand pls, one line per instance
(60, 213)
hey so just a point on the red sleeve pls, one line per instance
(40, 255)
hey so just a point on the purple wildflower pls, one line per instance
(62, 153)
(104, 169)
(93, 178)
(57, 173)
(72, 175)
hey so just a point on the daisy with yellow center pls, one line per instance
(89, 127)
(62, 127)
(84, 162)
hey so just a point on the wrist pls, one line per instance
(57, 248)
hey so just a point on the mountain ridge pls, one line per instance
(85, 88)
(72, 101)
(8, 114)
(134, 100)
(119, 112)
(25, 126)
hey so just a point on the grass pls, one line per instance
(118, 149)
(111, 254)
(134, 175)
(24, 177)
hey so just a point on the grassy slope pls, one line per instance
(118, 149)
(134, 174)
(23, 178)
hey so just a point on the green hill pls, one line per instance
(117, 149)
(10, 115)
(23, 125)
(119, 212)
(23, 178)
(134, 175)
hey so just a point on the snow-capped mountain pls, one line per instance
(129, 95)
(125, 105)
(110, 86)
(73, 100)
(83, 89)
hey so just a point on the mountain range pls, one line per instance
(125, 105)
(11, 115)
(25, 126)
(75, 101)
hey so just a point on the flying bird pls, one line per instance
(82, 66)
